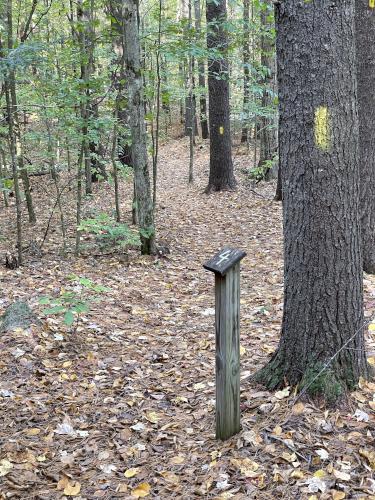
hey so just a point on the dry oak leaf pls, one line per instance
(132, 472)
(338, 495)
(170, 477)
(283, 394)
(141, 491)
(370, 455)
(247, 467)
(34, 431)
(5, 467)
(298, 408)
(177, 460)
(153, 417)
(343, 476)
(71, 488)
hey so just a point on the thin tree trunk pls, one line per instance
(246, 68)
(155, 155)
(191, 101)
(201, 75)
(13, 156)
(266, 132)
(19, 147)
(85, 48)
(221, 165)
(11, 80)
(137, 124)
(79, 197)
(56, 183)
(365, 37)
(322, 344)
(114, 166)
(123, 147)
(3, 174)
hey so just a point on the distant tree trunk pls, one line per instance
(3, 174)
(137, 124)
(201, 76)
(119, 80)
(365, 40)
(266, 132)
(114, 165)
(192, 126)
(96, 149)
(221, 165)
(16, 125)
(190, 108)
(156, 129)
(246, 68)
(89, 111)
(79, 196)
(322, 344)
(13, 156)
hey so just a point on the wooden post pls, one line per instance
(226, 266)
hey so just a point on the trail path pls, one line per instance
(133, 389)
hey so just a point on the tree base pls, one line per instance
(216, 188)
(369, 266)
(331, 384)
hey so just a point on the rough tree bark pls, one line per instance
(221, 166)
(365, 36)
(322, 342)
(137, 125)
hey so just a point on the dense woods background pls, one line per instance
(136, 140)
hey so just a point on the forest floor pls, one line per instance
(124, 407)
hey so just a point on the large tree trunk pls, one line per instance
(201, 76)
(221, 166)
(322, 342)
(266, 122)
(365, 39)
(138, 130)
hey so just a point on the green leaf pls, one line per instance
(69, 318)
(44, 300)
(81, 308)
(54, 310)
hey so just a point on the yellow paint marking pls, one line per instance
(371, 4)
(321, 128)
(221, 129)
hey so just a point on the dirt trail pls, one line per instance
(134, 387)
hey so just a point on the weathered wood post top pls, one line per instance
(226, 266)
(224, 260)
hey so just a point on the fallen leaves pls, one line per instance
(127, 405)
(141, 491)
(5, 467)
(369, 455)
(70, 488)
(247, 467)
(131, 472)
(283, 394)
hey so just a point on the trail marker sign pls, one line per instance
(226, 266)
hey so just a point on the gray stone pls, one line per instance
(17, 315)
